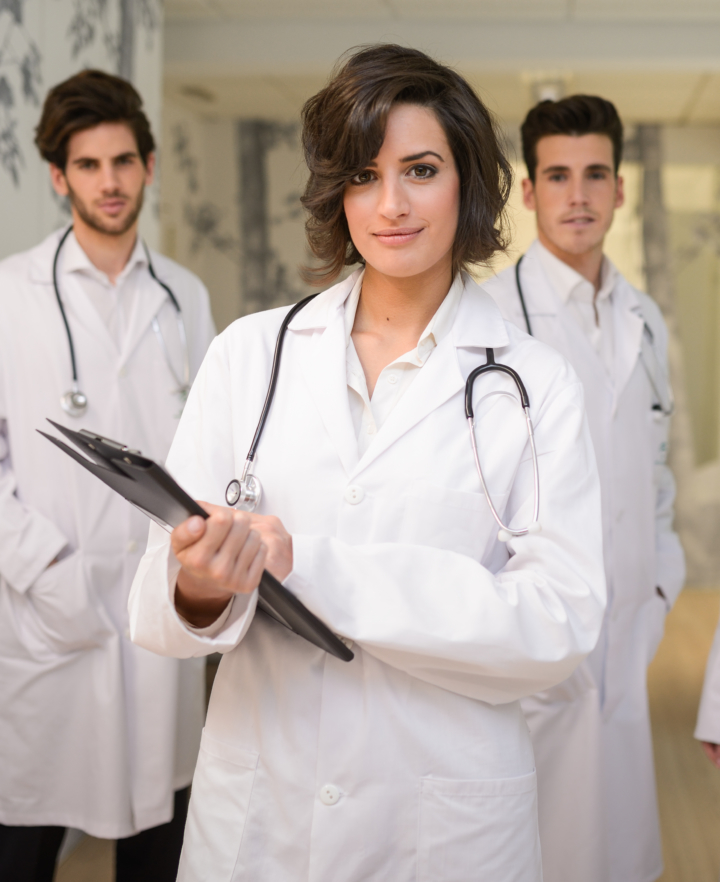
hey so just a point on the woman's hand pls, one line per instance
(225, 555)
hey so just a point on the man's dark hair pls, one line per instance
(576, 115)
(86, 100)
(343, 131)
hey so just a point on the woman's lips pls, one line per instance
(399, 236)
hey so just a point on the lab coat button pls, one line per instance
(132, 546)
(329, 794)
(122, 373)
(127, 633)
(354, 494)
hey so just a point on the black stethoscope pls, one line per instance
(75, 402)
(245, 494)
(664, 404)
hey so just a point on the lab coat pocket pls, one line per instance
(453, 520)
(478, 830)
(62, 614)
(221, 790)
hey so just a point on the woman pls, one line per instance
(413, 761)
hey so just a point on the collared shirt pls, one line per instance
(369, 414)
(593, 313)
(114, 302)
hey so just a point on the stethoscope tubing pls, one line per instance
(184, 383)
(490, 366)
(247, 492)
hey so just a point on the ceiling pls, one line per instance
(658, 60)
(444, 10)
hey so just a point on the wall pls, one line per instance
(43, 42)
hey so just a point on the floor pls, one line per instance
(688, 786)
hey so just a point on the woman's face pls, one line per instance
(402, 210)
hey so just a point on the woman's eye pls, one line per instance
(423, 171)
(363, 177)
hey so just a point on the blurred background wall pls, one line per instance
(224, 81)
(41, 43)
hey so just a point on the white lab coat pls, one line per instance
(421, 736)
(95, 733)
(592, 735)
(708, 722)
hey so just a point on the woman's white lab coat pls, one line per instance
(413, 761)
(95, 732)
(592, 734)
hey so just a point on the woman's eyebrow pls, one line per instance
(421, 155)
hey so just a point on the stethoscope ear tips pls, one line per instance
(535, 527)
(504, 536)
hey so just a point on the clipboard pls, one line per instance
(156, 494)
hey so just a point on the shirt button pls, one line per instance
(122, 372)
(329, 794)
(371, 429)
(132, 546)
(354, 494)
(127, 633)
(392, 379)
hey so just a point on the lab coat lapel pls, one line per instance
(543, 302)
(79, 308)
(628, 326)
(438, 380)
(478, 324)
(323, 362)
(151, 300)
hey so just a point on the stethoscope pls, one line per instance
(246, 493)
(665, 404)
(75, 402)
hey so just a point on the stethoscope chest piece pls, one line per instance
(74, 402)
(244, 495)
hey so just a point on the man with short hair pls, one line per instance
(96, 332)
(591, 734)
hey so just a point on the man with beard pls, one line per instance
(95, 733)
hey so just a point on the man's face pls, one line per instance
(575, 193)
(104, 178)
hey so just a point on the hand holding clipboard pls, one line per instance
(151, 489)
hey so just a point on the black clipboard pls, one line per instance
(151, 489)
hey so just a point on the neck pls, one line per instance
(401, 306)
(109, 254)
(588, 264)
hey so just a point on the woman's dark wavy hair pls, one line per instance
(84, 101)
(343, 130)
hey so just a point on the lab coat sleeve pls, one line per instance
(446, 619)
(708, 722)
(669, 553)
(29, 541)
(154, 621)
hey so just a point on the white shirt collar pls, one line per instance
(567, 282)
(438, 327)
(75, 260)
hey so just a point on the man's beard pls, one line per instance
(96, 223)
